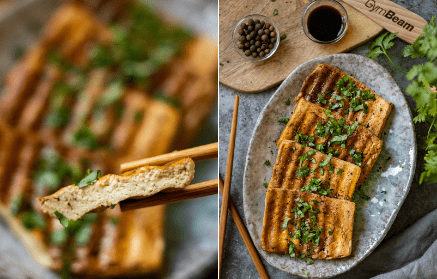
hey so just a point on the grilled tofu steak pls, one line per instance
(346, 97)
(313, 126)
(305, 169)
(75, 201)
(301, 223)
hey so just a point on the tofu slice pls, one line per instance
(335, 216)
(73, 202)
(304, 120)
(324, 78)
(287, 163)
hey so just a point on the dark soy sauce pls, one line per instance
(325, 23)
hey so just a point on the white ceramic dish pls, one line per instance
(393, 172)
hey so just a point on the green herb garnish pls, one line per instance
(287, 102)
(85, 138)
(266, 184)
(284, 120)
(357, 157)
(90, 178)
(267, 163)
(138, 116)
(32, 220)
(303, 171)
(275, 12)
(283, 36)
(306, 155)
(315, 185)
(340, 171)
(285, 224)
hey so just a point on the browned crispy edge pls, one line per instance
(382, 114)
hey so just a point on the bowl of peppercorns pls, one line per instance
(256, 37)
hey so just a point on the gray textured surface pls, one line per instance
(421, 199)
(392, 171)
(191, 226)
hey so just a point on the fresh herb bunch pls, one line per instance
(422, 88)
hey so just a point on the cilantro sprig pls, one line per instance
(423, 77)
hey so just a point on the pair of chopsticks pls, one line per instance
(206, 188)
(227, 203)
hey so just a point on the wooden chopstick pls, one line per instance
(227, 186)
(199, 153)
(201, 189)
(197, 190)
(245, 235)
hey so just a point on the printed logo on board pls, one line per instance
(373, 7)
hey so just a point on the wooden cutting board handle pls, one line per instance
(392, 17)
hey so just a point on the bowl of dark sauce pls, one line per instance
(325, 21)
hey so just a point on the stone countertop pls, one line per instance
(421, 199)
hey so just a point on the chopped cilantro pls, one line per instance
(303, 171)
(321, 99)
(284, 120)
(315, 185)
(90, 178)
(32, 220)
(384, 192)
(275, 12)
(267, 163)
(266, 184)
(287, 102)
(85, 138)
(285, 224)
(326, 162)
(330, 231)
(340, 171)
(357, 157)
(306, 155)
(138, 116)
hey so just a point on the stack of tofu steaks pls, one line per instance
(327, 149)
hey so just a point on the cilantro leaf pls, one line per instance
(284, 120)
(285, 224)
(90, 178)
(303, 171)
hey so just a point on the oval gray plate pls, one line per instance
(392, 172)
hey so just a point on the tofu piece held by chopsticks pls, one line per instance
(73, 202)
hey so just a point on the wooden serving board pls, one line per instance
(247, 76)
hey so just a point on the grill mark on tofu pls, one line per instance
(37, 104)
(135, 102)
(22, 184)
(334, 213)
(307, 115)
(287, 163)
(324, 78)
